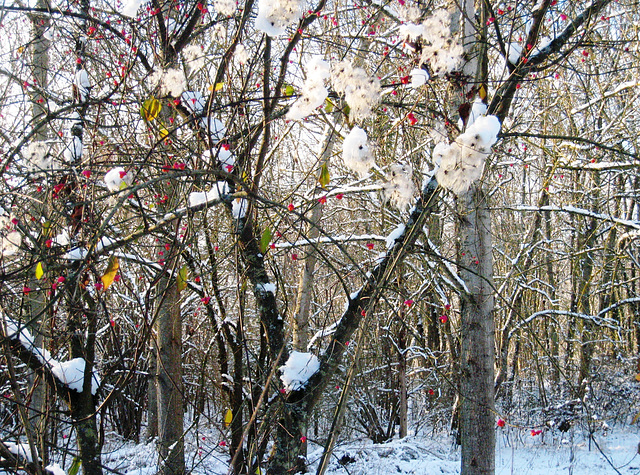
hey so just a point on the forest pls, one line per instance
(242, 234)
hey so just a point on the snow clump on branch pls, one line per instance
(298, 369)
(356, 152)
(462, 162)
(117, 179)
(194, 56)
(442, 54)
(400, 188)
(361, 91)
(10, 239)
(38, 157)
(314, 92)
(274, 16)
(225, 7)
(172, 82)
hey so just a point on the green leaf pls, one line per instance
(289, 90)
(181, 279)
(265, 240)
(75, 466)
(324, 177)
(46, 228)
(328, 106)
(150, 109)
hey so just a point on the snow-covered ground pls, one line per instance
(518, 452)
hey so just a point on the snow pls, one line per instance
(618, 89)
(21, 450)
(462, 162)
(240, 54)
(82, 83)
(274, 16)
(239, 208)
(399, 189)
(361, 91)
(55, 469)
(395, 234)
(76, 254)
(298, 369)
(171, 81)
(514, 51)
(194, 101)
(117, 179)
(439, 51)
(214, 194)
(214, 127)
(73, 150)
(356, 153)
(131, 8)
(419, 77)
(428, 453)
(314, 93)
(38, 157)
(104, 242)
(268, 287)
(71, 373)
(225, 7)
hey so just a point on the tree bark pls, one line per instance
(477, 413)
(169, 382)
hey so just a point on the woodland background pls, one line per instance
(521, 290)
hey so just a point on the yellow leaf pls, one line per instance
(638, 377)
(150, 109)
(181, 279)
(228, 417)
(482, 92)
(20, 49)
(163, 132)
(39, 271)
(110, 273)
(218, 86)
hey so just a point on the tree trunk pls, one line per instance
(169, 382)
(36, 298)
(477, 413)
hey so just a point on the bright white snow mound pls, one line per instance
(298, 369)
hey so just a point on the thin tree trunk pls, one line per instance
(36, 299)
(169, 382)
(477, 413)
